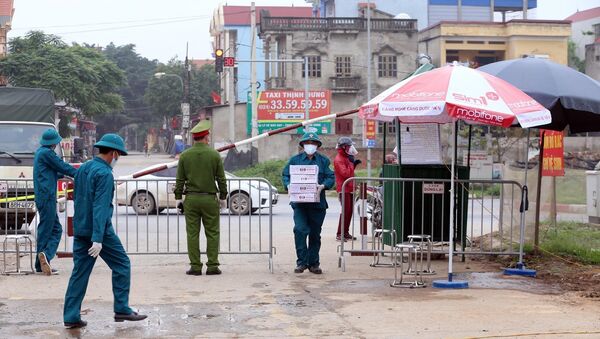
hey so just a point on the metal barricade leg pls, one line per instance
(378, 239)
(24, 240)
(412, 250)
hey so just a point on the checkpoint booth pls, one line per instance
(417, 205)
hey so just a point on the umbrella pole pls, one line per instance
(452, 223)
(450, 283)
(520, 269)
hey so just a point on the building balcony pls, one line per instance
(344, 84)
(269, 24)
(277, 83)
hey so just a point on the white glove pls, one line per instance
(223, 203)
(320, 188)
(95, 249)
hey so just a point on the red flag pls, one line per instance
(216, 97)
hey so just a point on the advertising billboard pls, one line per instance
(280, 108)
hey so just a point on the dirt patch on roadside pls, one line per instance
(563, 274)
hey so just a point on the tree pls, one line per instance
(79, 75)
(574, 61)
(166, 94)
(138, 71)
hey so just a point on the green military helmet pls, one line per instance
(112, 141)
(310, 136)
(202, 127)
(50, 137)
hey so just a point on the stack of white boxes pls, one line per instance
(303, 183)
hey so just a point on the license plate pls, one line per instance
(171, 187)
(21, 204)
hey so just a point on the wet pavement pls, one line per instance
(248, 301)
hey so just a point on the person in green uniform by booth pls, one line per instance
(201, 177)
(309, 217)
(95, 235)
(47, 169)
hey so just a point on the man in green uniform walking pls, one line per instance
(199, 168)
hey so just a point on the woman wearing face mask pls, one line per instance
(308, 217)
(344, 165)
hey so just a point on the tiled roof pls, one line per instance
(240, 15)
(6, 7)
(584, 15)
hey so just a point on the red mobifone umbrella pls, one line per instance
(452, 93)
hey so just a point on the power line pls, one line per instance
(112, 22)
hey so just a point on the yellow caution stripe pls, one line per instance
(30, 197)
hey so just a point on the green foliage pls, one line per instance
(577, 240)
(270, 170)
(81, 76)
(165, 94)
(573, 59)
(138, 71)
(485, 190)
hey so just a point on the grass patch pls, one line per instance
(572, 239)
(270, 170)
(362, 172)
(570, 189)
(485, 190)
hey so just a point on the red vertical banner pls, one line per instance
(553, 160)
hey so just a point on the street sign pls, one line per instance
(185, 112)
(429, 188)
(229, 62)
(553, 164)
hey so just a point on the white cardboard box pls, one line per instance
(304, 197)
(304, 169)
(303, 188)
(304, 179)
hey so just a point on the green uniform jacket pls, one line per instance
(199, 167)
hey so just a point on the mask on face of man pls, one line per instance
(310, 149)
(352, 150)
(113, 162)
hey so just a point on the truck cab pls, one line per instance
(25, 113)
(19, 141)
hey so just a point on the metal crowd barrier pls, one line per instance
(487, 216)
(148, 221)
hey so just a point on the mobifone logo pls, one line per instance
(478, 115)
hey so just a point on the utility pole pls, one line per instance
(459, 10)
(525, 6)
(231, 86)
(369, 79)
(186, 99)
(253, 68)
(306, 99)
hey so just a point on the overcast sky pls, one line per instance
(159, 28)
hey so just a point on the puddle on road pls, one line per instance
(497, 280)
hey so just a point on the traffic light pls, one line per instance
(219, 60)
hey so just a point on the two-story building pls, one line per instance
(336, 51)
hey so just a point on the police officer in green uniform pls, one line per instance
(199, 168)
(309, 217)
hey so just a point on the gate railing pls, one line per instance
(487, 218)
(147, 220)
